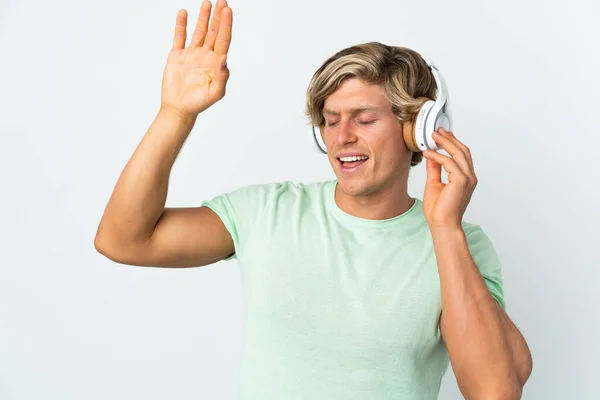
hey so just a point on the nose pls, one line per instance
(345, 133)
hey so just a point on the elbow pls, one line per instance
(108, 249)
(121, 251)
(102, 240)
(525, 370)
(512, 392)
(103, 247)
(510, 389)
(99, 245)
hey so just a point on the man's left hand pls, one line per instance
(444, 204)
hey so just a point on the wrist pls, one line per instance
(446, 229)
(177, 115)
(448, 238)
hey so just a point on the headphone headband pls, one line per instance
(442, 92)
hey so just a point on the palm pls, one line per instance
(194, 77)
(188, 79)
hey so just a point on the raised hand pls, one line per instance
(195, 76)
(444, 204)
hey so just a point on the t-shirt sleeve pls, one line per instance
(488, 262)
(240, 210)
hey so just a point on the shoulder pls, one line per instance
(260, 195)
(481, 247)
(470, 228)
(284, 188)
(474, 233)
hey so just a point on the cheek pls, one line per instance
(390, 150)
(395, 141)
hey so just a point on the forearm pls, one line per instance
(472, 326)
(521, 355)
(140, 193)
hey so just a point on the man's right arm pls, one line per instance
(137, 229)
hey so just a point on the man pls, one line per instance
(352, 288)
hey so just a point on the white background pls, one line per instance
(80, 85)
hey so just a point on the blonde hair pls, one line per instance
(406, 79)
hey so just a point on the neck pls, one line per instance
(383, 204)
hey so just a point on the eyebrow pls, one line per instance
(354, 111)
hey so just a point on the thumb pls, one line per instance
(222, 71)
(219, 81)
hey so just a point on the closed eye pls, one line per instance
(361, 122)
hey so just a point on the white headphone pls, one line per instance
(432, 115)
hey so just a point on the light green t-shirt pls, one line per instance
(335, 306)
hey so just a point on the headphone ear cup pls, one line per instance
(442, 121)
(408, 131)
(317, 141)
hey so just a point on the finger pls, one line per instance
(448, 163)
(224, 35)
(455, 173)
(434, 171)
(466, 151)
(211, 36)
(455, 152)
(458, 143)
(201, 24)
(180, 33)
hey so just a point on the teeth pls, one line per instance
(353, 158)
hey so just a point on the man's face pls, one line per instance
(359, 122)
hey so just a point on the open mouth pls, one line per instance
(351, 163)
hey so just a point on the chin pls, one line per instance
(355, 187)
